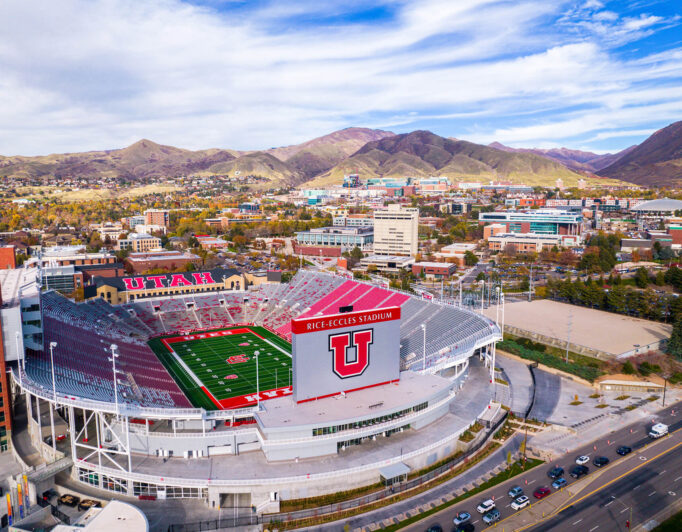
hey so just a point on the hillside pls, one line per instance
(655, 162)
(319, 155)
(145, 159)
(423, 154)
(139, 161)
(576, 160)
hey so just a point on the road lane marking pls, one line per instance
(652, 493)
(578, 521)
(678, 478)
(624, 510)
(531, 482)
(594, 528)
(663, 471)
(637, 486)
(607, 504)
(573, 502)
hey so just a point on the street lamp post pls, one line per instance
(255, 355)
(54, 386)
(665, 387)
(482, 294)
(424, 348)
(114, 356)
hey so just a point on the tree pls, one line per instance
(628, 368)
(641, 277)
(356, 254)
(470, 259)
(674, 346)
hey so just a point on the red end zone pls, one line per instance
(199, 336)
(242, 401)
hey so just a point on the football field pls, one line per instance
(217, 369)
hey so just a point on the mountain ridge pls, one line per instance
(655, 162)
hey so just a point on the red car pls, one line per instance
(541, 492)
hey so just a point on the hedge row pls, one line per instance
(589, 373)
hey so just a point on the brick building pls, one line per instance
(7, 257)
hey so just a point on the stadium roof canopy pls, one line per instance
(659, 205)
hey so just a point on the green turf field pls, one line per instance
(200, 365)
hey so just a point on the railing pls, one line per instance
(188, 482)
(125, 408)
(344, 505)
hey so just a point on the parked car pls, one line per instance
(461, 518)
(623, 450)
(542, 492)
(48, 494)
(69, 500)
(492, 516)
(600, 461)
(556, 472)
(465, 527)
(582, 460)
(520, 502)
(579, 471)
(515, 491)
(86, 504)
(559, 483)
(485, 506)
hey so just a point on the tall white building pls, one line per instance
(396, 231)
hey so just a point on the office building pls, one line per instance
(396, 231)
(156, 217)
(139, 243)
(541, 221)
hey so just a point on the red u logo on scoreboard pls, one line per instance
(339, 344)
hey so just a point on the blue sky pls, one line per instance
(80, 75)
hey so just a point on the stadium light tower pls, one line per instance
(114, 356)
(255, 355)
(424, 348)
(54, 386)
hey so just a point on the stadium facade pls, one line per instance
(155, 397)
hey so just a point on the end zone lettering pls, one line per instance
(337, 321)
(167, 280)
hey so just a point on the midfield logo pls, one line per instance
(339, 344)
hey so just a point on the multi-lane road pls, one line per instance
(653, 478)
(632, 491)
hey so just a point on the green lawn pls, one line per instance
(221, 368)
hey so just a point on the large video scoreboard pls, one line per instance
(345, 352)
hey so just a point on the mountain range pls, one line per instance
(371, 153)
(576, 160)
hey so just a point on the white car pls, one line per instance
(520, 502)
(582, 460)
(485, 506)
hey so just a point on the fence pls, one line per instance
(243, 520)
(55, 511)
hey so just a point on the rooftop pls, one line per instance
(657, 205)
(411, 389)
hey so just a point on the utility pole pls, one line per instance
(424, 348)
(568, 336)
(530, 284)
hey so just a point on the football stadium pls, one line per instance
(196, 386)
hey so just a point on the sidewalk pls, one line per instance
(428, 499)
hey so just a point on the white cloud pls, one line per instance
(102, 73)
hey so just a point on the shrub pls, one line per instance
(628, 368)
(519, 347)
